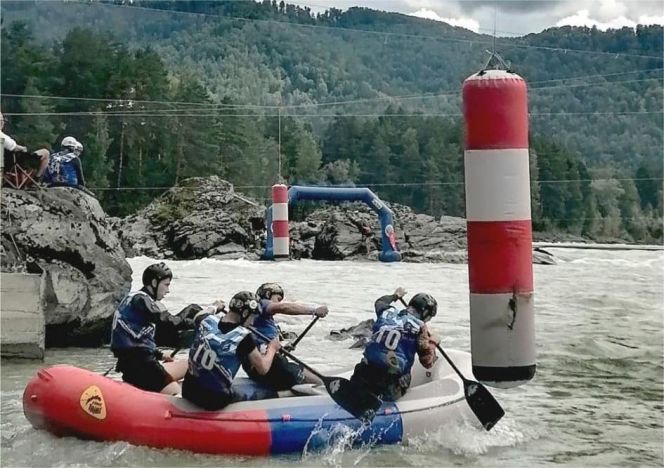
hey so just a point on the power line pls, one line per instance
(388, 184)
(386, 115)
(127, 100)
(449, 93)
(386, 33)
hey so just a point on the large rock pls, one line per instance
(360, 333)
(202, 217)
(64, 233)
(205, 217)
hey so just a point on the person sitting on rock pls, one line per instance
(220, 347)
(133, 335)
(64, 167)
(283, 374)
(12, 149)
(397, 335)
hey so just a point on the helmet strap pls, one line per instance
(152, 289)
(244, 317)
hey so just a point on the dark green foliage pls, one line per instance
(245, 90)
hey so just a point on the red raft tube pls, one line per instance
(70, 401)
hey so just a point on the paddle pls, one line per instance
(186, 338)
(350, 396)
(481, 402)
(293, 345)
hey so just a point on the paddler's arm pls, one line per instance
(156, 314)
(262, 362)
(296, 308)
(385, 302)
(426, 347)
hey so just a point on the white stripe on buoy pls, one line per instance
(280, 221)
(505, 195)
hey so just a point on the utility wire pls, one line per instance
(332, 116)
(392, 184)
(449, 93)
(212, 108)
(387, 33)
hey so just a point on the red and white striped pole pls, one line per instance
(280, 221)
(500, 267)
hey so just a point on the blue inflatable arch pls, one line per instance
(298, 192)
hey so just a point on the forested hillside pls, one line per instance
(159, 91)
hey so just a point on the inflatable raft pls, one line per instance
(70, 401)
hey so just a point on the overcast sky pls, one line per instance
(515, 17)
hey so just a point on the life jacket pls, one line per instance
(208, 325)
(60, 169)
(213, 359)
(131, 327)
(393, 343)
(264, 323)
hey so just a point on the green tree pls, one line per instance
(96, 165)
(37, 130)
(307, 160)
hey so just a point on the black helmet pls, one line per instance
(267, 290)
(244, 304)
(156, 271)
(425, 305)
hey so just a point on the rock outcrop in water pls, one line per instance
(206, 217)
(64, 233)
(203, 217)
(360, 333)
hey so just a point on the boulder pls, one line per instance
(360, 333)
(205, 217)
(63, 233)
(202, 217)
(543, 257)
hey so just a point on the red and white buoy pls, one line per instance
(280, 221)
(499, 234)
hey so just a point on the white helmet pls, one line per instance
(69, 142)
(78, 149)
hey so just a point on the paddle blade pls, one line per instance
(353, 398)
(483, 404)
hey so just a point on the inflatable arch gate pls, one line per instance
(277, 242)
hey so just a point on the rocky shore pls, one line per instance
(205, 217)
(64, 233)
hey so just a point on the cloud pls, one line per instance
(467, 23)
(511, 6)
(583, 18)
(515, 17)
(651, 19)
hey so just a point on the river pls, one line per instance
(596, 399)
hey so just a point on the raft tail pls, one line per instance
(31, 398)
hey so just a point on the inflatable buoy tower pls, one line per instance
(500, 267)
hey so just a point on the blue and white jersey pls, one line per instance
(264, 323)
(393, 343)
(209, 324)
(132, 327)
(213, 358)
(61, 170)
